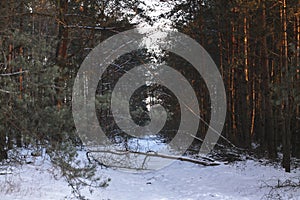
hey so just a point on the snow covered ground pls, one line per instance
(179, 181)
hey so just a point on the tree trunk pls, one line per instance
(267, 106)
(286, 104)
(62, 47)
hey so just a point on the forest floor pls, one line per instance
(240, 180)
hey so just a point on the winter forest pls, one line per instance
(255, 45)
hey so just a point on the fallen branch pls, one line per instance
(154, 154)
(5, 171)
(280, 187)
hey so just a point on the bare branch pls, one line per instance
(6, 91)
(14, 73)
(90, 27)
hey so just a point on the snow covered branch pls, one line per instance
(90, 27)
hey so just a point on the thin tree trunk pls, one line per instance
(244, 93)
(62, 47)
(19, 134)
(267, 107)
(297, 128)
(232, 83)
(286, 97)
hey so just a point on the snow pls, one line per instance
(244, 180)
(155, 10)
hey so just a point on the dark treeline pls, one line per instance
(255, 44)
(42, 45)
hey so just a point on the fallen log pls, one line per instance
(155, 154)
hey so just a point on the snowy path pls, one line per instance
(180, 181)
